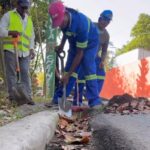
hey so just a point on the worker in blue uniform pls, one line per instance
(103, 22)
(83, 38)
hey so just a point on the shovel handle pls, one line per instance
(61, 55)
(15, 41)
(77, 90)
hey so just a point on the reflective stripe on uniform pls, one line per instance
(100, 77)
(91, 77)
(81, 81)
(19, 43)
(75, 75)
(25, 36)
(70, 33)
(82, 45)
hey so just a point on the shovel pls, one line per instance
(64, 104)
(20, 95)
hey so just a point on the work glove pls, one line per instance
(32, 54)
(14, 34)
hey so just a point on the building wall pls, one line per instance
(132, 77)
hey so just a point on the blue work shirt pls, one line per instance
(81, 32)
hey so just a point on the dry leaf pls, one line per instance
(70, 128)
(57, 131)
(72, 140)
(62, 123)
(69, 120)
(85, 140)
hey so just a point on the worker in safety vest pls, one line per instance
(15, 23)
(83, 39)
(103, 21)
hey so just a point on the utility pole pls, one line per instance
(51, 35)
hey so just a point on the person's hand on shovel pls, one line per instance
(65, 78)
(14, 34)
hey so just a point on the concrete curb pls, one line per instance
(30, 133)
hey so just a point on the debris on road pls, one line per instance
(71, 134)
(126, 104)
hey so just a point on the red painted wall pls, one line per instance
(133, 78)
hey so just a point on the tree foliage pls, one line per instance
(39, 13)
(140, 34)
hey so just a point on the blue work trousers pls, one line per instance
(79, 87)
(100, 74)
(89, 65)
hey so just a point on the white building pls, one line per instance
(132, 56)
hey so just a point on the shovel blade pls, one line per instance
(63, 113)
(65, 107)
(20, 95)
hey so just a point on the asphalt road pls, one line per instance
(117, 132)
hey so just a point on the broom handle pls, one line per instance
(77, 85)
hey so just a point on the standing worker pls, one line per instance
(83, 40)
(13, 24)
(103, 22)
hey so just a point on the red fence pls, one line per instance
(133, 79)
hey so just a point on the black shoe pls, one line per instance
(51, 104)
(11, 101)
(31, 102)
(10, 98)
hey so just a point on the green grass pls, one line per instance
(41, 99)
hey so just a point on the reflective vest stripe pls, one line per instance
(91, 77)
(19, 43)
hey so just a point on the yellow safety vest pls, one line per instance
(26, 34)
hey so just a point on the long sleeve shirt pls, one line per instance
(4, 24)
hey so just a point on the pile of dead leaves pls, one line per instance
(126, 104)
(71, 134)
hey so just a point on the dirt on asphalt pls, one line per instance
(107, 137)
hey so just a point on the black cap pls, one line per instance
(24, 3)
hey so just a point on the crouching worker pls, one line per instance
(83, 39)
